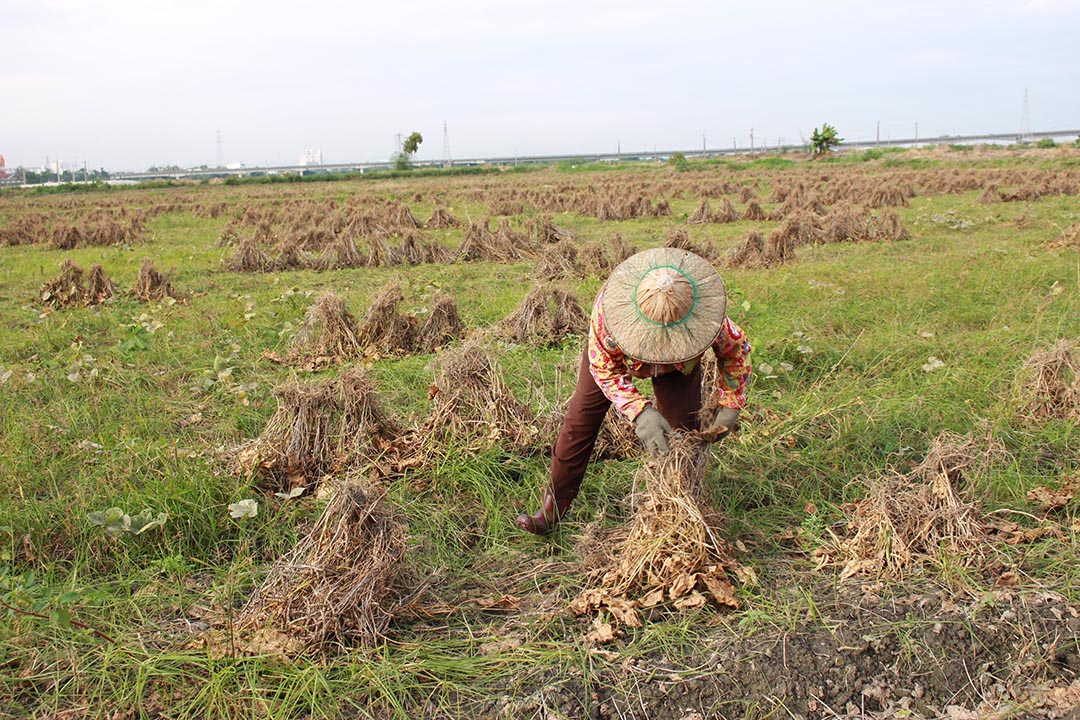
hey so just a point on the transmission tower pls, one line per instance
(447, 162)
(220, 151)
(1025, 119)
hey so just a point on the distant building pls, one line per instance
(311, 157)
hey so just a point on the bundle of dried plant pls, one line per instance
(383, 328)
(907, 520)
(441, 326)
(545, 231)
(702, 214)
(344, 581)
(679, 237)
(472, 408)
(1049, 382)
(249, 257)
(672, 549)
(754, 212)
(727, 212)
(321, 427)
(66, 289)
(845, 224)
(557, 261)
(442, 218)
(749, 254)
(151, 285)
(545, 316)
(99, 287)
(888, 227)
(327, 334)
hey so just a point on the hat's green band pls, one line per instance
(689, 311)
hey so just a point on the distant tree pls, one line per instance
(679, 162)
(402, 158)
(822, 140)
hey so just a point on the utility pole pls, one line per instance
(916, 133)
(447, 162)
(702, 144)
(220, 151)
(877, 134)
(1025, 119)
(751, 142)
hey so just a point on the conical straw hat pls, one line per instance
(664, 305)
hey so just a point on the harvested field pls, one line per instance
(292, 494)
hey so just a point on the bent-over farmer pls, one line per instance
(657, 314)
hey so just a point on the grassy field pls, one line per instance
(864, 352)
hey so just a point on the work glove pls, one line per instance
(725, 417)
(652, 430)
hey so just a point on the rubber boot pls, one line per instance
(545, 519)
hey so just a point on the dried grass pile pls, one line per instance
(321, 427)
(754, 212)
(598, 259)
(328, 334)
(343, 582)
(383, 328)
(442, 218)
(1070, 237)
(671, 550)
(889, 228)
(440, 327)
(545, 231)
(151, 285)
(702, 214)
(679, 237)
(99, 287)
(907, 520)
(755, 252)
(473, 408)
(66, 289)
(544, 317)
(1049, 382)
(559, 260)
(249, 257)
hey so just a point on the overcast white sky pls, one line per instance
(126, 84)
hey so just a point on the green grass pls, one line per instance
(90, 421)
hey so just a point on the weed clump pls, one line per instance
(343, 582)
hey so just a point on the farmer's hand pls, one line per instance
(725, 418)
(652, 430)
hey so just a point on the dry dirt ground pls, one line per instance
(865, 652)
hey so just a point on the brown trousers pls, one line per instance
(677, 397)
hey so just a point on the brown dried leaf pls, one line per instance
(1008, 579)
(1048, 499)
(652, 598)
(681, 585)
(625, 611)
(693, 600)
(602, 633)
(722, 591)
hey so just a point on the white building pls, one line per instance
(311, 157)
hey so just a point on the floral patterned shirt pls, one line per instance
(614, 371)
